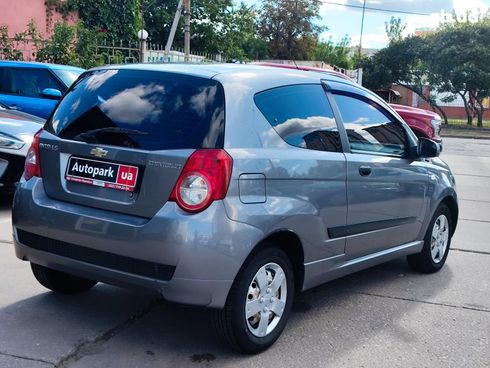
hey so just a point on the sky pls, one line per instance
(343, 17)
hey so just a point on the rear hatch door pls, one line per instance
(120, 138)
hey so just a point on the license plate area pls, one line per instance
(102, 174)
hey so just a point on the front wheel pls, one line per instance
(436, 243)
(259, 302)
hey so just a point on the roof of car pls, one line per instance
(246, 72)
(31, 64)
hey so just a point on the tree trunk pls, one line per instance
(479, 110)
(469, 112)
(430, 102)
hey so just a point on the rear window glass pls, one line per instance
(142, 109)
(302, 116)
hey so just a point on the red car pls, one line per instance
(424, 123)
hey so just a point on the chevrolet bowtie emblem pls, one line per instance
(98, 152)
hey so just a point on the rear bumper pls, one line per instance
(189, 259)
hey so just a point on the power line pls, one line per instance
(376, 9)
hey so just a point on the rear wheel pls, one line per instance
(259, 302)
(60, 282)
(436, 243)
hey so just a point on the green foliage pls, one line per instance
(402, 63)
(119, 18)
(217, 27)
(289, 27)
(86, 47)
(394, 29)
(59, 49)
(453, 60)
(457, 57)
(70, 45)
(334, 54)
(7, 46)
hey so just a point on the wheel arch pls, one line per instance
(452, 204)
(289, 242)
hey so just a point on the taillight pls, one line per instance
(32, 166)
(204, 179)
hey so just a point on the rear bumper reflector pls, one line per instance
(96, 257)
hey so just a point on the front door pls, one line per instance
(386, 189)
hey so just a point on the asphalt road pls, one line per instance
(387, 316)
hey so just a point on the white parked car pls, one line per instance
(16, 132)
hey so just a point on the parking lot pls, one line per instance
(387, 316)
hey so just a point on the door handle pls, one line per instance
(365, 170)
(13, 107)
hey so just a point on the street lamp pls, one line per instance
(142, 36)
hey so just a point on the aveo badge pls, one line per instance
(102, 174)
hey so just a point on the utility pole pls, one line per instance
(175, 23)
(362, 28)
(187, 30)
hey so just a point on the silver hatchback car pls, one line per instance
(227, 186)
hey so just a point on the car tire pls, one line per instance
(436, 243)
(271, 267)
(60, 282)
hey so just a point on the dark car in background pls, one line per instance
(34, 88)
(17, 130)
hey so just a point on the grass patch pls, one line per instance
(462, 123)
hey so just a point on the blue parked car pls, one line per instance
(34, 88)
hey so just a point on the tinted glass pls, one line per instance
(370, 129)
(302, 116)
(3, 87)
(68, 77)
(31, 82)
(142, 109)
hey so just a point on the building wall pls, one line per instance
(16, 14)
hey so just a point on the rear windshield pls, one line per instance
(142, 109)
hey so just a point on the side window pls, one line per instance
(302, 116)
(3, 81)
(369, 128)
(31, 82)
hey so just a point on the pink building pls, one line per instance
(16, 14)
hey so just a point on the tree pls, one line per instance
(69, 45)
(120, 19)
(239, 36)
(334, 54)
(402, 63)
(289, 27)
(217, 27)
(8, 50)
(457, 58)
(394, 29)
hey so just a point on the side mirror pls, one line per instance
(51, 93)
(428, 148)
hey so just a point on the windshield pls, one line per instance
(142, 109)
(67, 76)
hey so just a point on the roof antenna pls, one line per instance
(296, 65)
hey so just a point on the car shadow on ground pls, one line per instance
(340, 314)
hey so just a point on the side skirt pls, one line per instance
(324, 270)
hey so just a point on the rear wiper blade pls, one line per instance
(93, 133)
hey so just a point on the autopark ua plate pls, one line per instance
(102, 174)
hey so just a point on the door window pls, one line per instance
(3, 86)
(369, 128)
(31, 82)
(302, 116)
